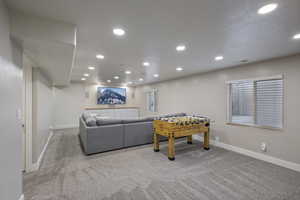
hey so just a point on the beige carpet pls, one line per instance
(138, 173)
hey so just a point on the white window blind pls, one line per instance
(269, 102)
(257, 102)
(242, 102)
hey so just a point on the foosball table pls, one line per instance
(177, 127)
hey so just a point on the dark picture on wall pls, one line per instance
(107, 95)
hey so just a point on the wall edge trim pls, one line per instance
(259, 156)
(22, 197)
(36, 166)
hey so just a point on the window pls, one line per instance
(151, 100)
(257, 102)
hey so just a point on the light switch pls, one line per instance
(19, 114)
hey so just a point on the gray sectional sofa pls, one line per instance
(99, 134)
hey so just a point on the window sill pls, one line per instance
(255, 126)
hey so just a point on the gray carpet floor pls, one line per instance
(138, 173)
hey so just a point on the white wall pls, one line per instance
(71, 101)
(42, 112)
(68, 106)
(206, 94)
(10, 102)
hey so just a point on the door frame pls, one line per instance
(27, 76)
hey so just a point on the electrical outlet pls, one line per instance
(263, 147)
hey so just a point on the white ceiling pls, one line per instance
(208, 28)
(54, 59)
(50, 44)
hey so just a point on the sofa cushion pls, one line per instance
(107, 121)
(162, 116)
(179, 115)
(135, 120)
(150, 118)
(171, 115)
(85, 115)
(91, 121)
(176, 115)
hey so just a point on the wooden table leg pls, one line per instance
(206, 140)
(189, 139)
(171, 147)
(156, 142)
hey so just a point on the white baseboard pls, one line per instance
(36, 166)
(66, 126)
(21, 197)
(259, 156)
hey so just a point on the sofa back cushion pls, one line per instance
(171, 115)
(90, 121)
(107, 121)
(85, 116)
(179, 115)
(135, 120)
(150, 118)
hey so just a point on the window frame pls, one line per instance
(153, 93)
(229, 103)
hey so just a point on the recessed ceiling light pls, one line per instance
(86, 75)
(119, 31)
(116, 77)
(297, 36)
(218, 58)
(156, 75)
(91, 68)
(267, 8)
(141, 79)
(109, 81)
(181, 48)
(146, 64)
(83, 79)
(127, 72)
(179, 69)
(100, 56)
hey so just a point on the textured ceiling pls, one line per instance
(208, 28)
